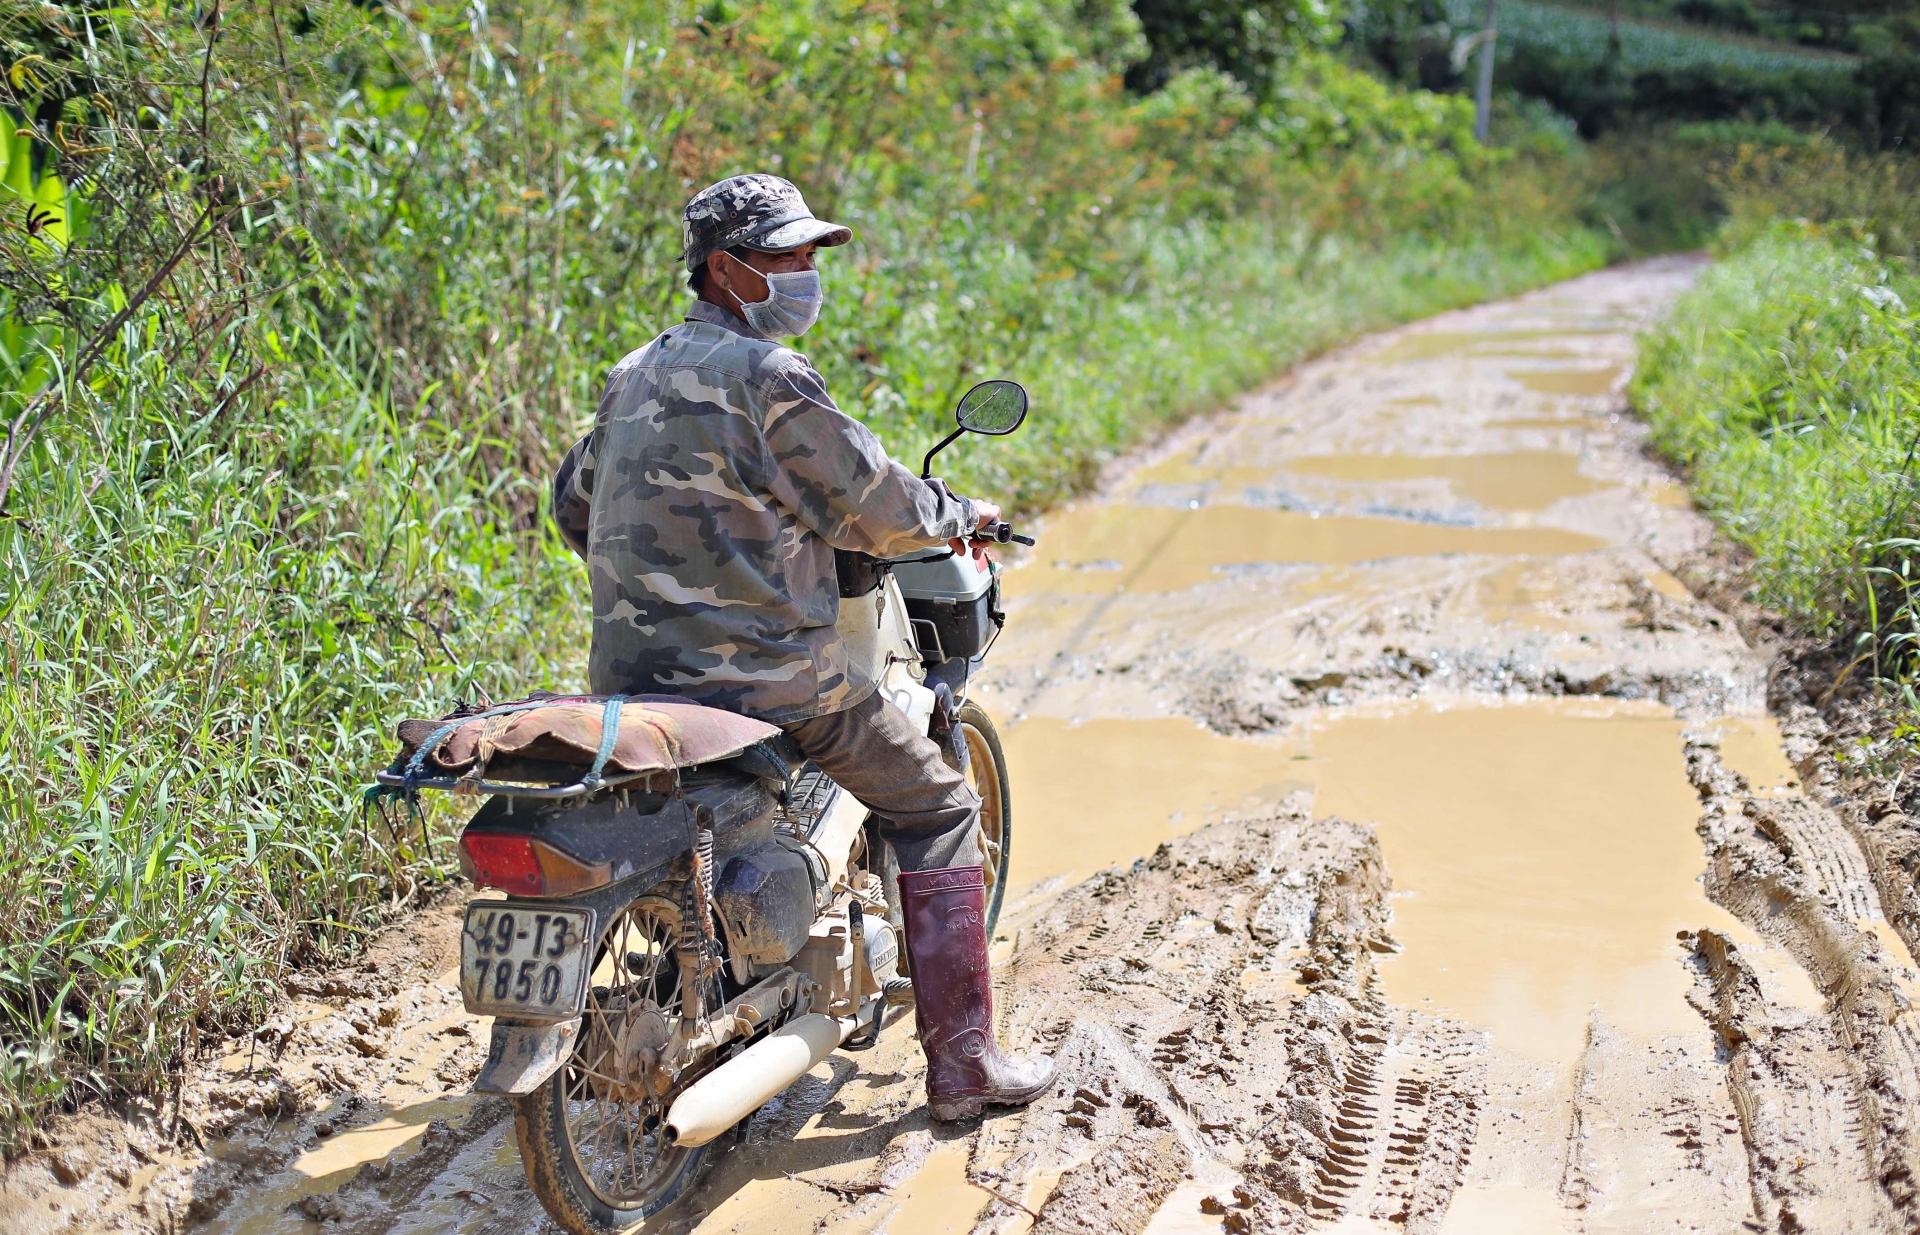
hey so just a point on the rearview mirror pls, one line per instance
(996, 407)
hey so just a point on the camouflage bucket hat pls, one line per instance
(760, 211)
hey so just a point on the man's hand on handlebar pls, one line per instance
(989, 529)
(984, 513)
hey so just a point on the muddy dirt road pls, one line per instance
(1400, 847)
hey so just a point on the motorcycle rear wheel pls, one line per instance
(599, 1164)
(986, 771)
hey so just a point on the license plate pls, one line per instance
(525, 961)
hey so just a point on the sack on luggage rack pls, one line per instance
(595, 740)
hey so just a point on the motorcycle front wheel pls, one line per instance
(591, 1138)
(986, 770)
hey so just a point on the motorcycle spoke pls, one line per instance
(617, 1143)
(983, 774)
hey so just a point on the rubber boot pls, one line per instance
(945, 912)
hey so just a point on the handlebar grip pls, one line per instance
(1000, 532)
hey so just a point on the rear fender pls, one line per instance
(521, 1057)
(631, 834)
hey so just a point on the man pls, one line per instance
(717, 482)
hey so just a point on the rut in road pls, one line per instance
(1401, 845)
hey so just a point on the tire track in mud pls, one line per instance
(1828, 1102)
(1247, 1040)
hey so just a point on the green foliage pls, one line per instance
(1763, 179)
(39, 206)
(1651, 200)
(1725, 183)
(284, 408)
(1405, 41)
(1787, 383)
(1249, 40)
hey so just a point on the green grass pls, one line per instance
(1787, 384)
(298, 494)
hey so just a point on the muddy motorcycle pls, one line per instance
(695, 917)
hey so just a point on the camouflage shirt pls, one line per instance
(720, 478)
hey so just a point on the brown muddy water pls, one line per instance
(1374, 777)
(1511, 480)
(1543, 850)
(1101, 549)
(1568, 381)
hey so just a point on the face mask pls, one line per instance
(792, 305)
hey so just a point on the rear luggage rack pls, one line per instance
(460, 784)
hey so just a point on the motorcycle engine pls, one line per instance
(828, 958)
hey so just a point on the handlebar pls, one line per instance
(1000, 532)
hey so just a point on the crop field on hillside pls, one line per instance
(1582, 34)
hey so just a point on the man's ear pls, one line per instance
(737, 276)
(720, 282)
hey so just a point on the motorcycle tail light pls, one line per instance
(522, 866)
(505, 862)
(563, 874)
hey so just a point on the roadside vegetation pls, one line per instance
(1787, 384)
(298, 305)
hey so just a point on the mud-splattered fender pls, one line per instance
(522, 1057)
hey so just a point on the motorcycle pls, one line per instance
(693, 916)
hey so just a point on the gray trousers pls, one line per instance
(927, 810)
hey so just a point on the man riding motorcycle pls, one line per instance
(707, 502)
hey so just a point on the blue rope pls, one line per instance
(417, 765)
(609, 734)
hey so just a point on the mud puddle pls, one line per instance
(1109, 548)
(1513, 480)
(1754, 747)
(1543, 854)
(1582, 382)
(1543, 850)
(1154, 780)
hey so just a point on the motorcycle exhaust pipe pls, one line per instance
(751, 1079)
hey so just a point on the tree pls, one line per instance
(1248, 39)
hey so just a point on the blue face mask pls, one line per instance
(792, 305)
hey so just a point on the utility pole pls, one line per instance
(1483, 92)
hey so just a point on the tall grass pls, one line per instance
(294, 492)
(1787, 382)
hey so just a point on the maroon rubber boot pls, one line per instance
(945, 912)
